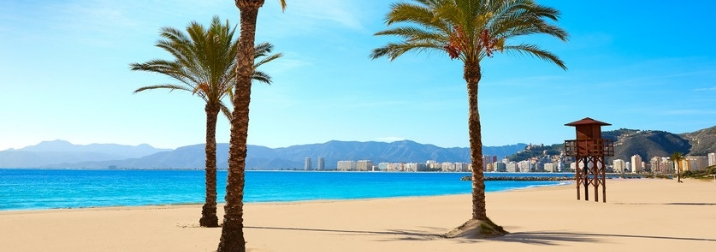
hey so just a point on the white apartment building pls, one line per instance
(412, 167)
(321, 164)
(307, 164)
(525, 166)
(636, 164)
(618, 165)
(712, 158)
(550, 167)
(512, 167)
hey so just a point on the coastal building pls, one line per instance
(321, 164)
(695, 163)
(364, 165)
(499, 167)
(432, 165)
(667, 165)
(511, 167)
(618, 165)
(307, 164)
(712, 158)
(550, 167)
(462, 167)
(383, 166)
(487, 163)
(346, 165)
(636, 164)
(660, 165)
(524, 166)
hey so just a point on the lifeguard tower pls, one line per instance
(589, 150)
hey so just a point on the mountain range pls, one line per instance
(60, 151)
(258, 157)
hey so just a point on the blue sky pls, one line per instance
(635, 64)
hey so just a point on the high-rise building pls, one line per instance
(655, 164)
(321, 164)
(636, 164)
(307, 164)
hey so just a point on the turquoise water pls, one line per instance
(48, 189)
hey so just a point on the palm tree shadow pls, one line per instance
(406, 234)
(672, 204)
(550, 238)
(536, 237)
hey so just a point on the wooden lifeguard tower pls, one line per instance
(589, 150)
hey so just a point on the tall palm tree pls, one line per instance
(232, 231)
(470, 30)
(677, 157)
(204, 63)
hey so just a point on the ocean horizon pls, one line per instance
(30, 189)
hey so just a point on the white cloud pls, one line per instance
(706, 89)
(310, 17)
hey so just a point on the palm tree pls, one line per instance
(677, 157)
(205, 65)
(232, 231)
(470, 30)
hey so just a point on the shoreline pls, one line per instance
(645, 214)
(199, 204)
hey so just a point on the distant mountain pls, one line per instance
(702, 141)
(53, 152)
(648, 144)
(293, 157)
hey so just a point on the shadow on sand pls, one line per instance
(537, 238)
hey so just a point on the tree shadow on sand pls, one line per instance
(550, 237)
(534, 237)
(672, 204)
(408, 234)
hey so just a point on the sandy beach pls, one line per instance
(640, 215)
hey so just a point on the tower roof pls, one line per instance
(587, 121)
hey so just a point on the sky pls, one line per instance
(64, 74)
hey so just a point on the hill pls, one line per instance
(702, 141)
(293, 157)
(60, 151)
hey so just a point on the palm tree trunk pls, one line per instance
(232, 233)
(678, 172)
(472, 76)
(208, 211)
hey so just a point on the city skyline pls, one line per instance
(65, 73)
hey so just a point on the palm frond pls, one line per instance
(165, 86)
(394, 50)
(535, 51)
(261, 77)
(225, 110)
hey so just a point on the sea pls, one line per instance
(28, 189)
